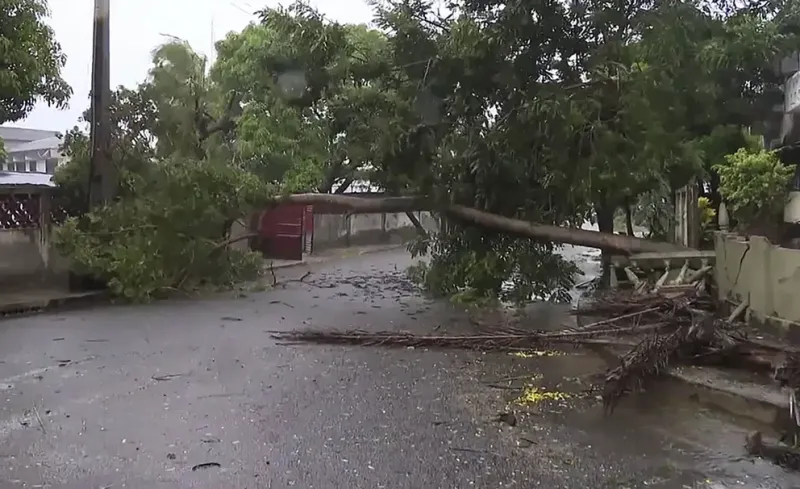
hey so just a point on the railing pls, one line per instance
(20, 211)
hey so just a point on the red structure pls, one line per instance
(286, 231)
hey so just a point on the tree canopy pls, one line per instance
(542, 112)
(30, 60)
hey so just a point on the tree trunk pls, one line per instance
(539, 232)
(628, 218)
(605, 224)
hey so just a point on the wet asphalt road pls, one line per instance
(141, 397)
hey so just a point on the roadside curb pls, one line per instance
(348, 254)
(764, 404)
(72, 301)
(11, 310)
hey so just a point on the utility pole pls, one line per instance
(101, 184)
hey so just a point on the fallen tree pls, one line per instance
(502, 224)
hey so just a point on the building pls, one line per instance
(31, 150)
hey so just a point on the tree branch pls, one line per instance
(418, 225)
(494, 222)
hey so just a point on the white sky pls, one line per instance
(136, 29)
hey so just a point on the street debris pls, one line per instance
(39, 419)
(782, 455)
(646, 329)
(534, 395)
(658, 330)
(508, 418)
(206, 465)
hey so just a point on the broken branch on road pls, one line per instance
(642, 333)
(497, 341)
(651, 331)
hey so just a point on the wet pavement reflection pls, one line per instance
(195, 394)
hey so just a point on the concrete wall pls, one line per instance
(766, 275)
(27, 258)
(335, 230)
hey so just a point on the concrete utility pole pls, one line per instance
(101, 184)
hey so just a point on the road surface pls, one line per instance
(195, 394)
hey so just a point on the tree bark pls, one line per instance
(628, 219)
(540, 232)
(418, 225)
(605, 224)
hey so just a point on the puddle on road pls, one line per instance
(663, 438)
(700, 446)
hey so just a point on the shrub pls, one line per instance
(754, 183)
(168, 232)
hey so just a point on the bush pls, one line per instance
(168, 232)
(754, 183)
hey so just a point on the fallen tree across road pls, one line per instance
(539, 232)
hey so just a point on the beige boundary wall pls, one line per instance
(765, 275)
(337, 230)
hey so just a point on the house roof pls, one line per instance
(25, 134)
(16, 179)
(37, 145)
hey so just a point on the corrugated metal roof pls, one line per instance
(25, 134)
(17, 179)
(38, 145)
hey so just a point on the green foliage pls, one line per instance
(306, 90)
(755, 184)
(31, 60)
(169, 233)
(177, 194)
(540, 111)
(505, 268)
(707, 213)
(132, 151)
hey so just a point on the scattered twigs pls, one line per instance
(39, 418)
(485, 342)
(604, 322)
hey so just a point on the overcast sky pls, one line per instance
(137, 27)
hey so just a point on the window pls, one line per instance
(52, 163)
(20, 166)
(32, 166)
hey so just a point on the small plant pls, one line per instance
(754, 183)
(707, 213)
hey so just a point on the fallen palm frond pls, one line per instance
(700, 338)
(501, 340)
(645, 360)
(620, 303)
(656, 329)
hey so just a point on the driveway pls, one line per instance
(195, 394)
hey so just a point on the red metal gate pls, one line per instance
(281, 232)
